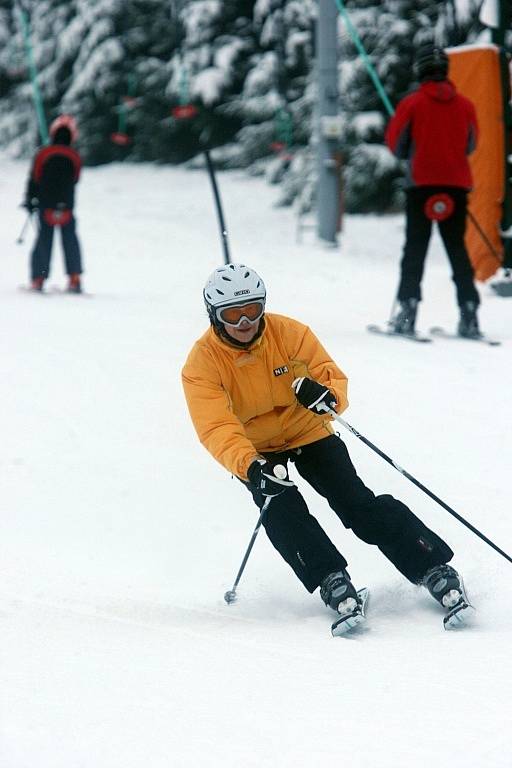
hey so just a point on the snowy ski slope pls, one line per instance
(119, 534)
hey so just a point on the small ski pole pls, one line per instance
(218, 205)
(416, 482)
(230, 595)
(484, 237)
(21, 235)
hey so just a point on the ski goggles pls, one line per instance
(234, 315)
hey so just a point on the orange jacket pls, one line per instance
(241, 401)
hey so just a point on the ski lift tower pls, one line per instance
(328, 122)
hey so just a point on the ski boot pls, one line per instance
(468, 323)
(338, 593)
(445, 585)
(74, 284)
(37, 284)
(405, 319)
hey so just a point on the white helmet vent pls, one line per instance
(233, 284)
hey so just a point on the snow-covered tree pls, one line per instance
(106, 62)
(275, 103)
(209, 69)
(247, 67)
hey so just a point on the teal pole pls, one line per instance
(36, 92)
(369, 66)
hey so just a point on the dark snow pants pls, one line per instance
(380, 520)
(42, 251)
(417, 238)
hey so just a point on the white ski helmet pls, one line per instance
(232, 285)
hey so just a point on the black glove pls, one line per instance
(313, 395)
(262, 475)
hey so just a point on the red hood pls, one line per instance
(442, 90)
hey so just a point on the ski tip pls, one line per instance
(503, 289)
(459, 617)
(347, 623)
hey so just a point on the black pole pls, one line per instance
(484, 236)
(418, 484)
(218, 205)
(230, 595)
(21, 235)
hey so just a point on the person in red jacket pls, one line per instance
(51, 192)
(435, 129)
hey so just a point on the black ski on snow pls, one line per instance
(378, 329)
(440, 333)
(503, 288)
(28, 289)
(55, 289)
(354, 618)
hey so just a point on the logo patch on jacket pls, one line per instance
(281, 370)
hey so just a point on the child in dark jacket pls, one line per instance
(51, 192)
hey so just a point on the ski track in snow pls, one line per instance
(119, 534)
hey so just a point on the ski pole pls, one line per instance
(484, 237)
(21, 235)
(415, 482)
(230, 595)
(218, 205)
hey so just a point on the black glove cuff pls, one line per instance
(254, 473)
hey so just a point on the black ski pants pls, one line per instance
(379, 520)
(417, 238)
(42, 251)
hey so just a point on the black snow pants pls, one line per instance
(42, 251)
(380, 520)
(417, 238)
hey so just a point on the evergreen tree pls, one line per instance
(107, 63)
(246, 66)
(120, 52)
(209, 68)
(275, 103)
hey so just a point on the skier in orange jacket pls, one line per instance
(256, 385)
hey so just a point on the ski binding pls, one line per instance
(353, 618)
(378, 329)
(459, 614)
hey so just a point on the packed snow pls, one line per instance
(120, 534)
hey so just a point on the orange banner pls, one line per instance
(476, 74)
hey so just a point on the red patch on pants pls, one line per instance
(56, 217)
(439, 207)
